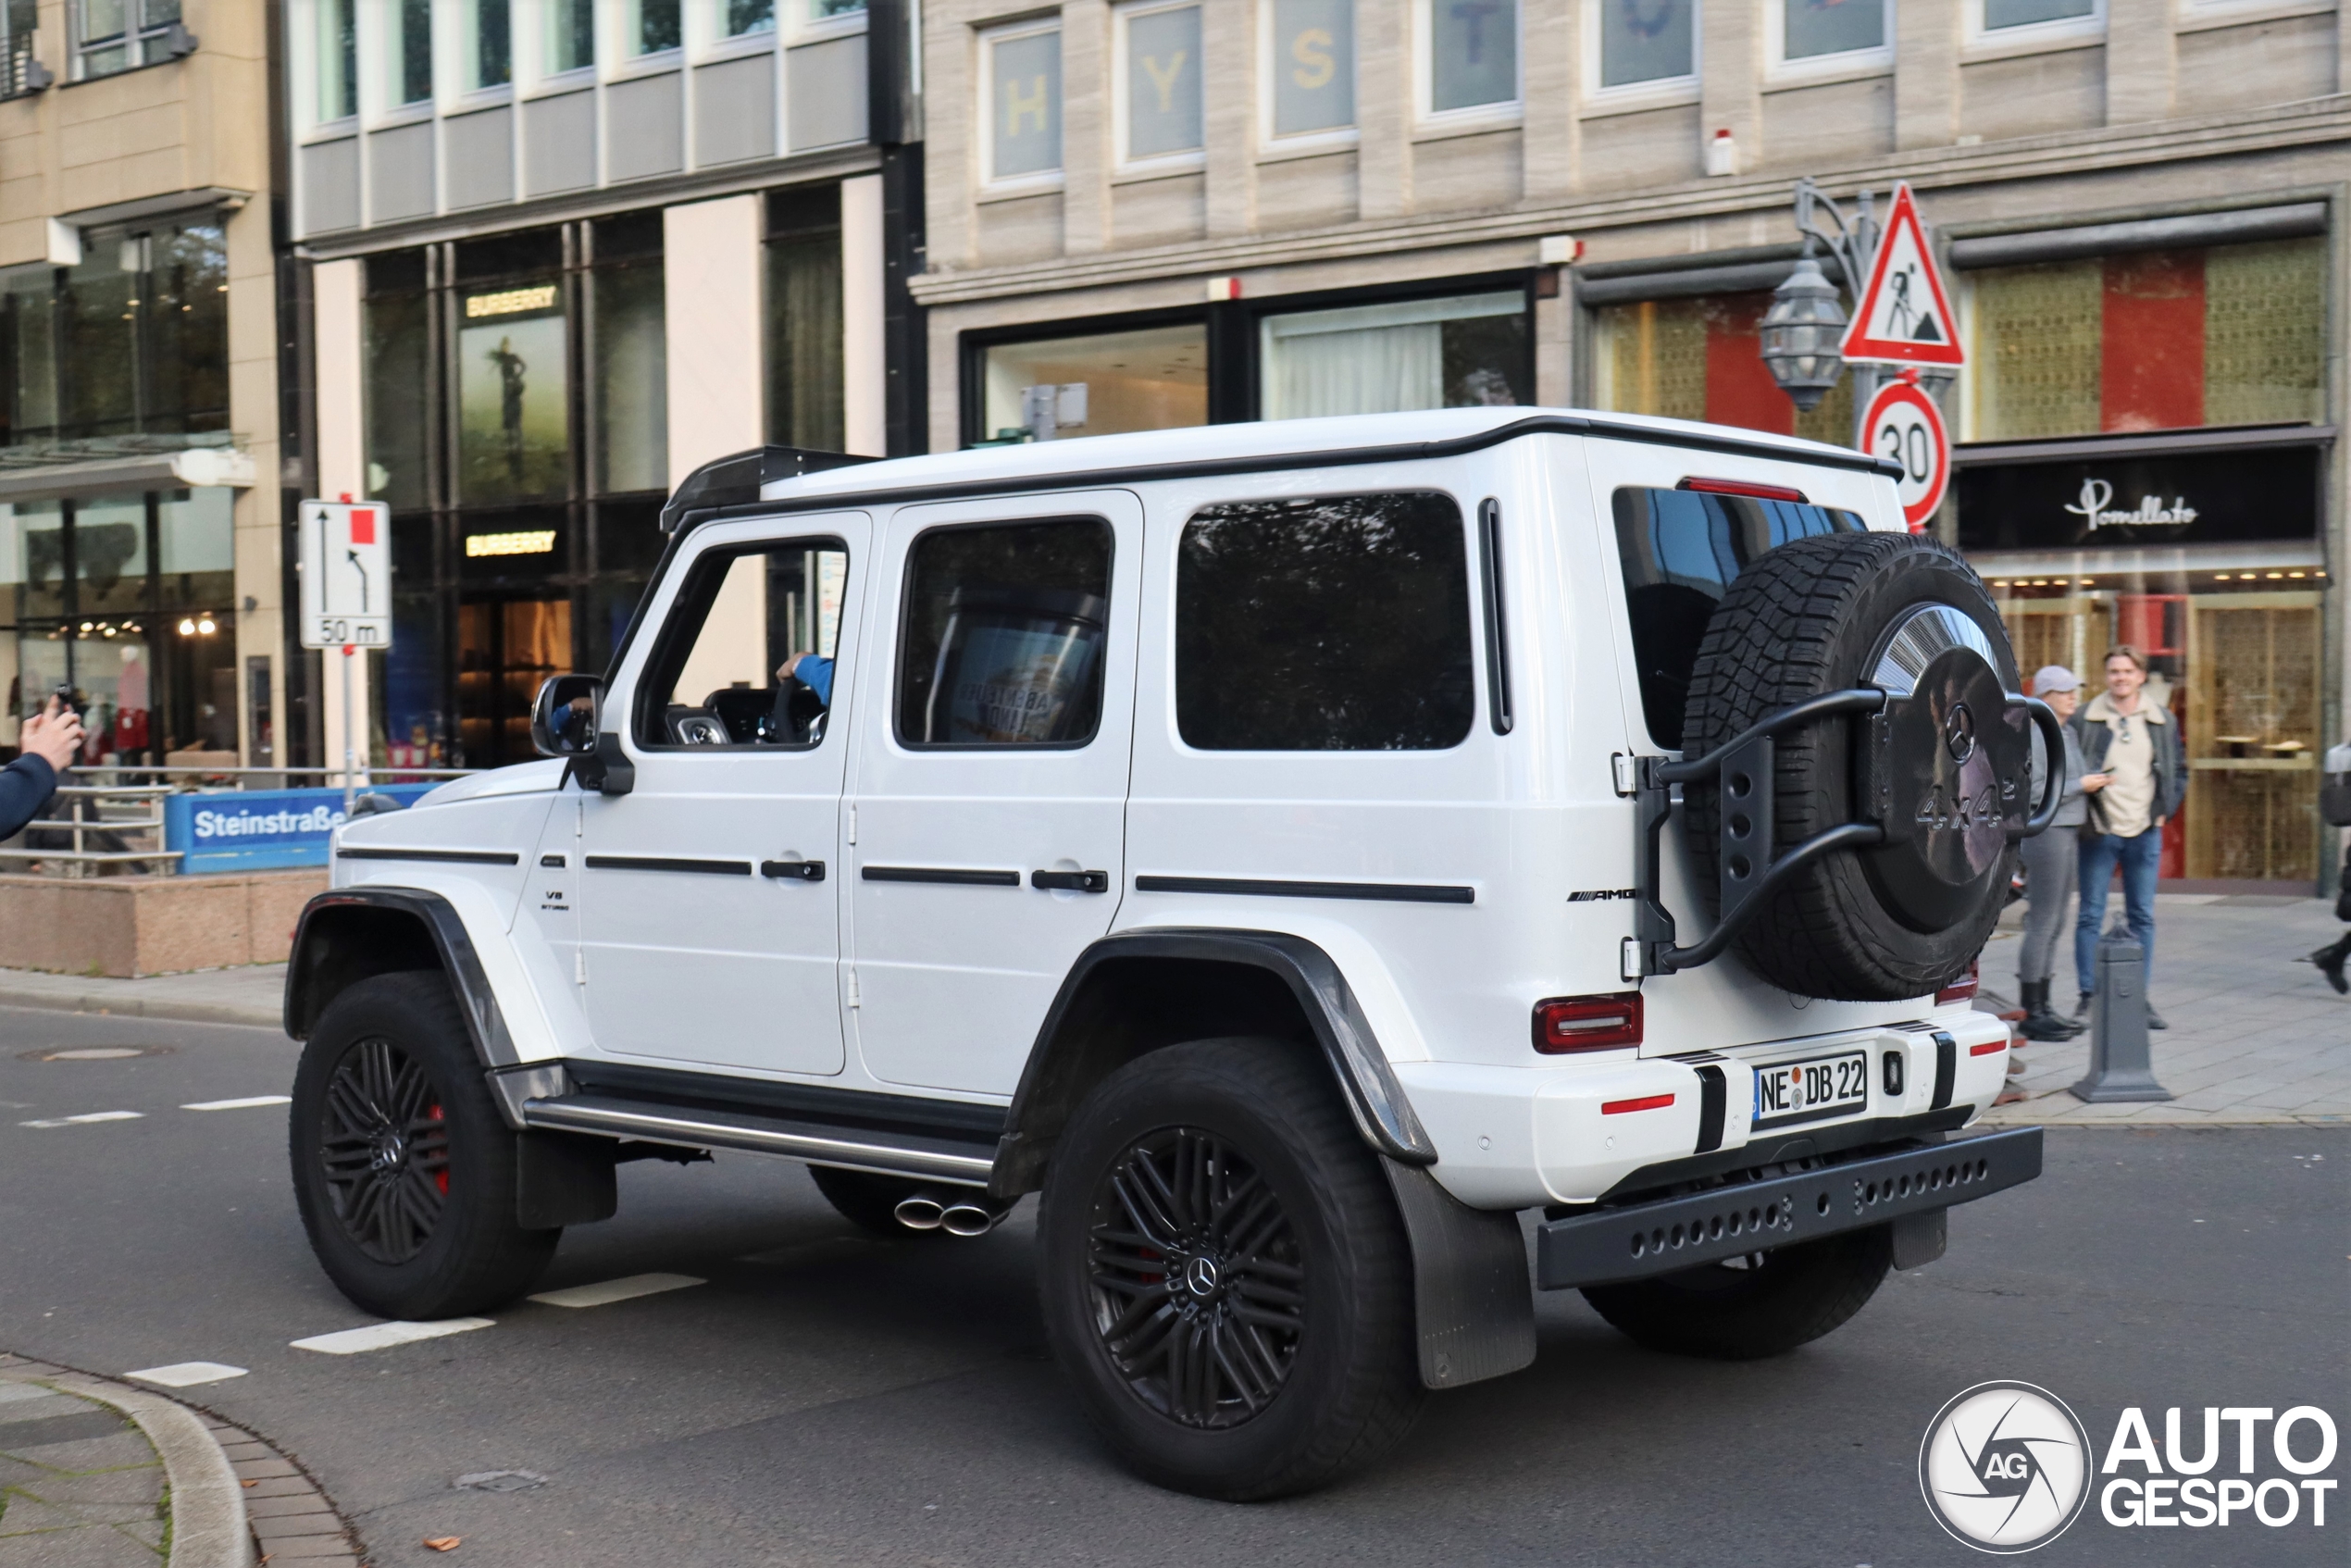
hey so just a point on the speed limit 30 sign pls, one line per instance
(1903, 424)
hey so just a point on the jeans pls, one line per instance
(2139, 857)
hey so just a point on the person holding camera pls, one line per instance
(46, 747)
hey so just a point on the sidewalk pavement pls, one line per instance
(254, 994)
(2257, 1037)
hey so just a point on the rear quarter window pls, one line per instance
(1328, 623)
(1681, 550)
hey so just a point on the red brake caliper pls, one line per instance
(432, 1112)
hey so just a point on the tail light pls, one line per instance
(1958, 991)
(1743, 487)
(1588, 1023)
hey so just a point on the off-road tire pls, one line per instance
(1786, 1298)
(472, 1255)
(1352, 1387)
(1803, 619)
(870, 1200)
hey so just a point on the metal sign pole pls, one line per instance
(348, 776)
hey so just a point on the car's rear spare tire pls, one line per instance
(1943, 769)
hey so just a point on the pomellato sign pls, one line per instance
(2020, 500)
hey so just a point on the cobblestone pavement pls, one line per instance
(80, 1485)
(2256, 1036)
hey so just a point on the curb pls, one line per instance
(230, 1490)
(144, 1007)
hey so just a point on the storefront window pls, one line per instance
(2158, 339)
(1022, 102)
(1163, 81)
(1473, 54)
(1702, 359)
(1152, 378)
(804, 373)
(1643, 40)
(399, 347)
(133, 340)
(512, 404)
(630, 338)
(1467, 351)
(1312, 69)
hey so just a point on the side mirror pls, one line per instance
(566, 716)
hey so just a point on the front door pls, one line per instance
(708, 915)
(987, 826)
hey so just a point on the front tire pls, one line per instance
(403, 1169)
(1763, 1304)
(1225, 1276)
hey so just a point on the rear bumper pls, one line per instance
(1642, 1240)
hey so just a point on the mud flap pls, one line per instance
(1918, 1239)
(1472, 1294)
(564, 1178)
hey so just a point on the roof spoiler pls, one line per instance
(737, 478)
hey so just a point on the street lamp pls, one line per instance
(1801, 333)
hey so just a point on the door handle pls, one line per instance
(793, 870)
(1070, 881)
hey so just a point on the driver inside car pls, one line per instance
(810, 671)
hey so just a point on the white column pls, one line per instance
(336, 288)
(864, 367)
(712, 317)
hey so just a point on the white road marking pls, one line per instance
(188, 1374)
(246, 1104)
(383, 1335)
(94, 1054)
(84, 1117)
(613, 1290)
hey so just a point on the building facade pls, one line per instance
(139, 411)
(556, 253)
(1173, 212)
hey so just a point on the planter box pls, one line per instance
(131, 925)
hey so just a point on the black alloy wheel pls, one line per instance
(384, 1144)
(1198, 1285)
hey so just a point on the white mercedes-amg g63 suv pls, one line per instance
(1295, 850)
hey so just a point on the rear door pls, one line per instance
(984, 839)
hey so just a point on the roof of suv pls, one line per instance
(1354, 438)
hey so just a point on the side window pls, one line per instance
(1680, 550)
(1001, 643)
(1335, 624)
(747, 658)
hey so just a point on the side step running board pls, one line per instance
(911, 1154)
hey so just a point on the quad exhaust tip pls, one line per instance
(956, 1216)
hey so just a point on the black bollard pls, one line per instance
(2118, 1066)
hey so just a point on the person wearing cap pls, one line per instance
(2137, 780)
(2050, 861)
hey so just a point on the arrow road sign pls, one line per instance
(346, 575)
(1905, 316)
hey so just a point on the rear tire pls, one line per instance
(870, 1201)
(1775, 1302)
(1225, 1276)
(403, 1171)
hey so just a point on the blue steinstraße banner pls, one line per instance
(260, 829)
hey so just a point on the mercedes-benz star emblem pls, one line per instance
(1200, 1276)
(2005, 1467)
(1958, 732)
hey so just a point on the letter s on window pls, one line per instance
(1311, 50)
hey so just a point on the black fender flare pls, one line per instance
(1051, 1083)
(315, 972)
(1474, 1299)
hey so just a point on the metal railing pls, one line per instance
(128, 804)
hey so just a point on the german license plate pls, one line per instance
(1810, 1090)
